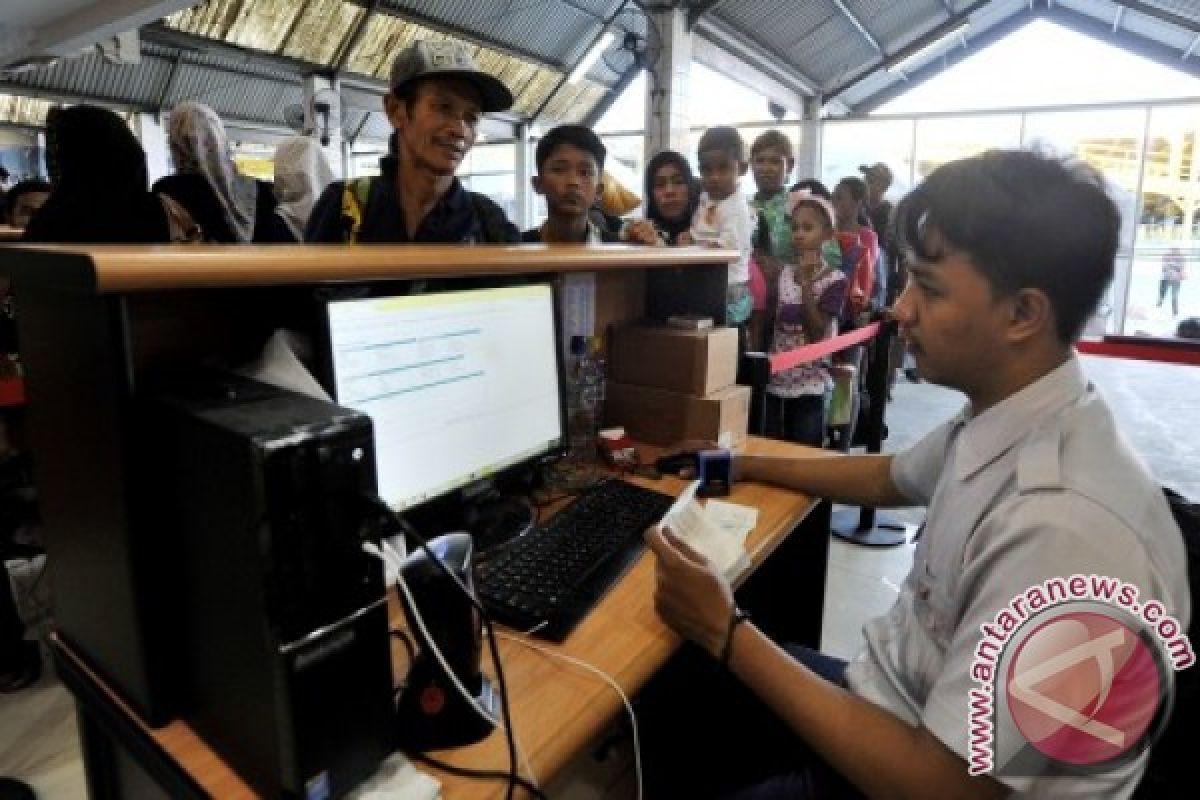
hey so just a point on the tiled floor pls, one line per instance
(37, 730)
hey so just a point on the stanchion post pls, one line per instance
(864, 527)
(754, 370)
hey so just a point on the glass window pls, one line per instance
(945, 139)
(847, 145)
(1165, 271)
(1111, 141)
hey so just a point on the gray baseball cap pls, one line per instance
(425, 59)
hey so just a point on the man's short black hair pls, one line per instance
(723, 139)
(578, 136)
(1026, 221)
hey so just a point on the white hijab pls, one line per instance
(198, 144)
(301, 174)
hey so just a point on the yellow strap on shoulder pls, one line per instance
(354, 203)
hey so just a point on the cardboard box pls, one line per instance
(685, 361)
(656, 416)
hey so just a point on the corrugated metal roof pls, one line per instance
(550, 31)
(1189, 9)
(91, 76)
(896, 24)
(529, 44)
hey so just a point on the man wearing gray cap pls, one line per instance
(436, 99)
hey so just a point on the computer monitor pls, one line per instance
(460, 385)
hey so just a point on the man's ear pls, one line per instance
(536, 183)
(742, 167)
(1031, 313)
(395, 110)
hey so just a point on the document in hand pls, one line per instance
(708, 533)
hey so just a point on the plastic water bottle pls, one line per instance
(585, 385)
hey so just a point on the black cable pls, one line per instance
(513, 775)
(485, 774)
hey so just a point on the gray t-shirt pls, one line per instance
(1040, 486)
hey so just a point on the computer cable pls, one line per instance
(389, 556)
(637, 748)
(483, 774)
(507, 726)
(493, 648)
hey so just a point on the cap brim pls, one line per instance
(493, 94)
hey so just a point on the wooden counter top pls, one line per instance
(113, 269)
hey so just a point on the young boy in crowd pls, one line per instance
(570, 159)
(811, 289)
(723, 217)
(771, 163)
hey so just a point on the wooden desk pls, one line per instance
(96, 321)
(557, 709)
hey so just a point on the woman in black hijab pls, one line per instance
(98, 170)
(672, 193)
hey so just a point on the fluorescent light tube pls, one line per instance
(583, 66)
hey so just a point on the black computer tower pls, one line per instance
(285, 661)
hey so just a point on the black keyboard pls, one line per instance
(547, 580)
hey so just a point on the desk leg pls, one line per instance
(786, 595)
(119, 758)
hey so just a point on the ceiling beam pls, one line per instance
(699, 9)
(168, 84)
(745, 47)
(858, 26)
(1191, 47)
(719, 59)
(92, 23)
(1160, 14)
(933, 67)
(937, 32)
(1072, 20)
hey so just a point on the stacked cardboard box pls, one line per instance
(668, 384)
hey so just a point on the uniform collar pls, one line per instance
(986, 437)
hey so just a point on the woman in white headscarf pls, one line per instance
(200, 149)
(301, 174)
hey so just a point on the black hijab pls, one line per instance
(677, 226)
(98, 170)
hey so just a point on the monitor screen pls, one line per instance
(459, 385)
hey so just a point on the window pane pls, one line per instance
(501, 187)
(846, 145)
(950, 138)
(1169, 227)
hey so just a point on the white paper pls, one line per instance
(397, 779)
(279, 366)
(692, 523)
(734, 520)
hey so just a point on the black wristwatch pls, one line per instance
(736, 618)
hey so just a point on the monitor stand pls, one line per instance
(498, 520)
(492, 516)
